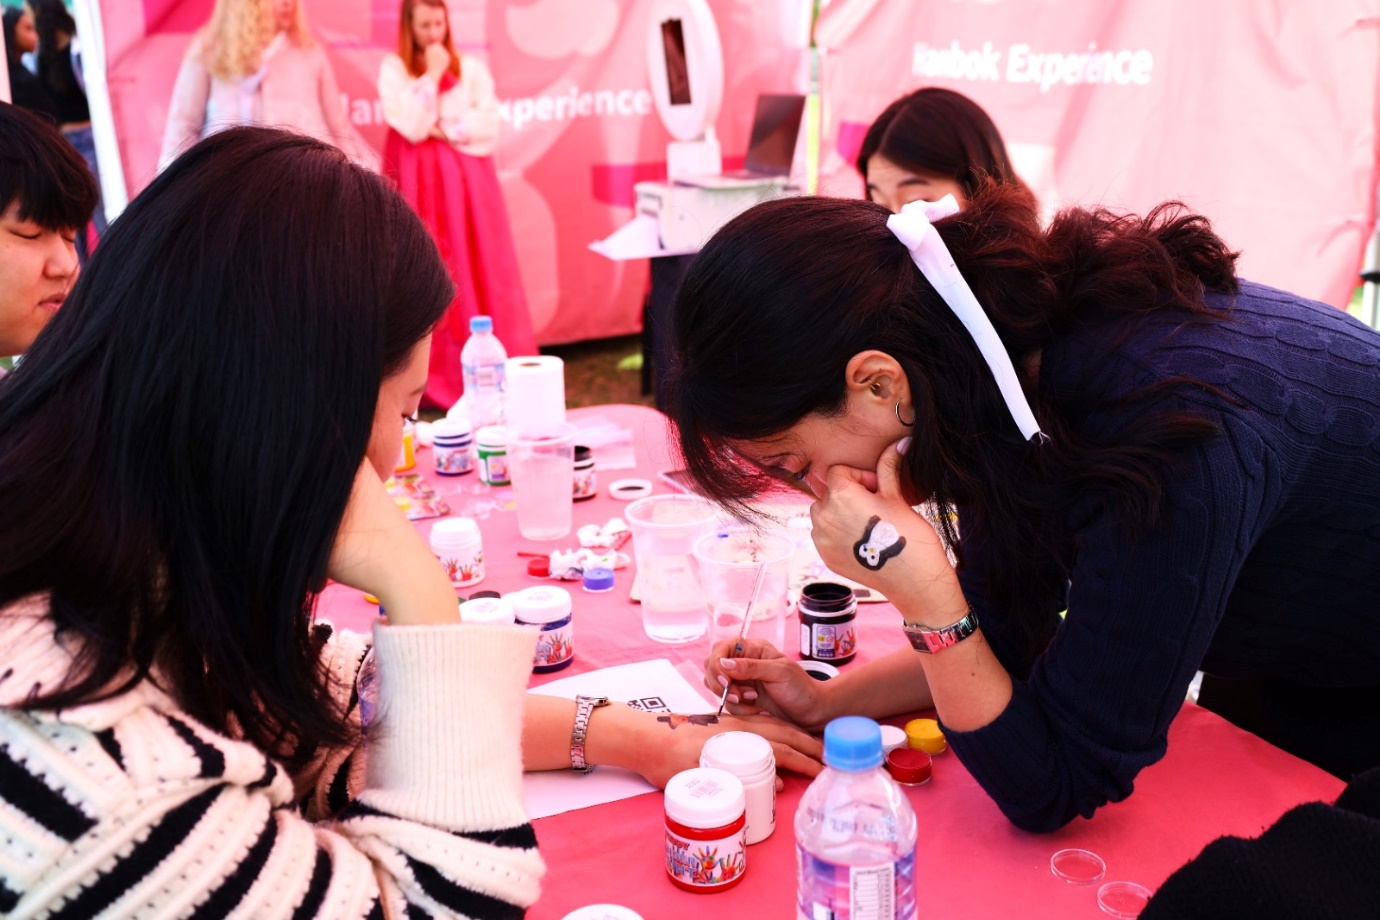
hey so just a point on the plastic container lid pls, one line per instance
(852, 743)
(909, 766)
(924, 735)
(455, 533)
(892, 738)
(487, 610)
(1124, 900)
(740, 753)
(492, 436)
(705, 797)
(598, 579)
(457, 428)
(1077, 867)
(539, 567)
(822, 670)
(481, 324)
(540, 604)
(603, 912)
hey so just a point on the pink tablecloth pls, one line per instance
(1214, 780)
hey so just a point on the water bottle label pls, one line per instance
(490, 378)
(826, 891)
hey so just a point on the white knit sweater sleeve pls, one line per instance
(131, 807)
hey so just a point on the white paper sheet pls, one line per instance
(557, 791)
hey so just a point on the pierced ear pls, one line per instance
(878, 374)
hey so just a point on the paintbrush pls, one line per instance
(747, 618)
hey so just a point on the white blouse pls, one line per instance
(467, 112)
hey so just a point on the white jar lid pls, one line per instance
(487, 610)
(458, 427)
(603, 912)
(892, 738)
(541, 604)
(492, 436)
(455, 533)
(740, 753)
(704, 797)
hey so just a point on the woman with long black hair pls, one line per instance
(1109, 423)
(190, 449)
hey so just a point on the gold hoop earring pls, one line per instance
(908, 424)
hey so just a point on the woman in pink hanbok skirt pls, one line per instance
(443, 125)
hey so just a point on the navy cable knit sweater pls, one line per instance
(1266, 560)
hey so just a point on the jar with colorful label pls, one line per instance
(586, 484)
(460, 547)
(491, 444)
(706, 843)
(549, 608)
(827, 612)
(452, 444)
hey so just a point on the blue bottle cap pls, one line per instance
(481, 324)
(598, 579)
(852, 743)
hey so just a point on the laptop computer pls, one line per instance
(771, 148)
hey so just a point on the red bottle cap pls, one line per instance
(539, 567)
(909, 766)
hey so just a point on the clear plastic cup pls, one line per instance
(542, 468)
(728, 563)
(665, 529)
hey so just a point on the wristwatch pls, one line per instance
(929, 641)
(584, 706)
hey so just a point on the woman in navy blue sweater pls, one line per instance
(1108, 423)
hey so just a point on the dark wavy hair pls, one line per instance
(43, 173)
(939, 132)
(51, 20)
(178, 447)
(782, 297)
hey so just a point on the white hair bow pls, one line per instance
(913, 228)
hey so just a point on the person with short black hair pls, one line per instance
(46, 197)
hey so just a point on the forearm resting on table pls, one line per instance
(618, 736)
(967, 684)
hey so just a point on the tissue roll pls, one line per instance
(536, 395)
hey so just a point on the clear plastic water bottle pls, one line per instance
(854, 833)
(482, 365)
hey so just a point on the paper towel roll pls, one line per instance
(536, 395)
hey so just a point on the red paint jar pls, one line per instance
(706, 830)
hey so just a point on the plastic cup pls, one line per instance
(728, 564)
(665, 529)
(542, 467)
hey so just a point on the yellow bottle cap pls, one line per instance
(371, 599)
(924, 735)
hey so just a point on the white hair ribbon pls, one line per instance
(913, 228)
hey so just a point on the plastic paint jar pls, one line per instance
(451, 442)
(459, 546)
(925, 735)
(549, 608)
(586, 482)
(826, 613)
(748, 757)
(407, 454)
(491, 444)
(706, 849)
(488, 611)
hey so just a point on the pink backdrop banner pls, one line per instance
(1260, 115)
(578, 122)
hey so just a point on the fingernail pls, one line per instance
(749, 694)
(903, 445)
(728, 664)
(723, 681)
(733, 697)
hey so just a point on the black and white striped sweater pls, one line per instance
(130, 808)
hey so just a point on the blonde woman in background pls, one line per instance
(255, 63)
(442, 114)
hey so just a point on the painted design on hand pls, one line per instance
(675, 720)
(880, 542)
